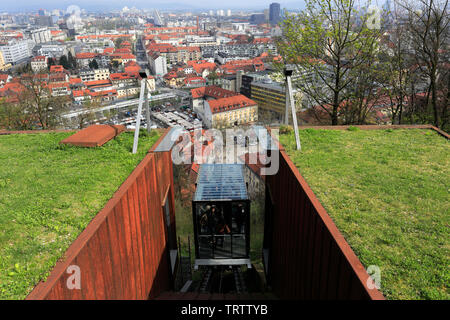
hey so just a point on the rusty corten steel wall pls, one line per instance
(309, 258)
(122, 253)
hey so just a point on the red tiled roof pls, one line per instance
(79, 93)
(212, 91)
(111, 36)
(108, 50)
(39, 58)
(200, 67)
(53, 86)
(56, 68)
(75, 80)
(122, 76)
(97, 83)
(86, 55)
(194, 80)
(230, 103)
(262, 40)
(123, 50)
(112, 92)
(57, 77)
(129, 56)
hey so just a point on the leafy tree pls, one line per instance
(326, 45)
(39, 103)
(93, 64)
(51, 62)
(213, 77)
(428, 23)
(118, 42)
(115, 64)
(14, 117)
(64, 62)
(72, 60)
(88, 115)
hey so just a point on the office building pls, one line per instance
(41, 35)
(274, 13)
(16, 51)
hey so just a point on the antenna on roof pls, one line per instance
(290, 100)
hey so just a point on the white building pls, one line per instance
(158, 64)
(16, 51)
(53, 50)
(41, 35)
(39, 63)
(101, 74)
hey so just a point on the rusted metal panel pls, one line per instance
(94, 135)
(310, 257)
(122, 253)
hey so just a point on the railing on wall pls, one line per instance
(123, 253)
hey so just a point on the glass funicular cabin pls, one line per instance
(221, 216)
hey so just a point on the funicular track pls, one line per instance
(222, 279)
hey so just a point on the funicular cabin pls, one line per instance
(221, 216)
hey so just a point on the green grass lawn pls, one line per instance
(388, 193)
(48, 195)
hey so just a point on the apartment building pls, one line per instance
(41, 35)
(84, 58)
(229, 112)
(271, 98)
(3, 65)
(39, 63)
(123, 79)
(203, 94)
(52, 49)
(174, 55)
(94, 75)
(16, 51)
(158, 64)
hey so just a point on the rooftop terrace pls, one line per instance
(48, 194)
(387, 192)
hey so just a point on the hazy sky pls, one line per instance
(29, 5)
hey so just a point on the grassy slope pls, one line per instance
(388, 193)
(48, 194)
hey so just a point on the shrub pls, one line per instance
(352, 128)
(285, 129)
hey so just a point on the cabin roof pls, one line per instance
(221, 182)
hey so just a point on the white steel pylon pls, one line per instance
(290, 100)
(143, 98)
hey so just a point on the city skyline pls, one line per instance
(203, 5)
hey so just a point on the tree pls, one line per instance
(326, 44)
(37, 101)
(14, 117)
(397, 68)
(115, 64)
(118, 42)
(64, 62)
(364, 93)
(428, 22)
(72, 61)
(88, 114)
(51, 62)
(213, 77)
(93, 64)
